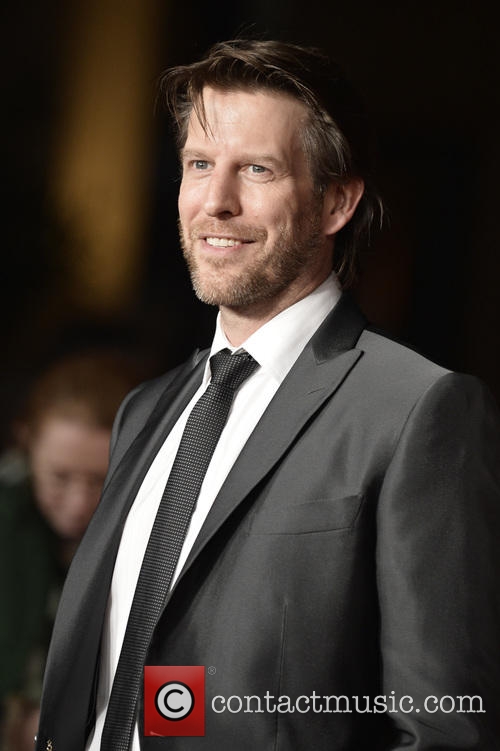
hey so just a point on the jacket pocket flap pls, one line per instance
(314, 516)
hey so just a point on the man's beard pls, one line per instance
(219, 281)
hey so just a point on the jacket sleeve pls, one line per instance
(438, 572)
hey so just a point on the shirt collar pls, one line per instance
(278, 343)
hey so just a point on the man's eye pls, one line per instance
(257, 169)
(200, 164)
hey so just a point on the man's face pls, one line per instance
(69, 460)
(252, 226)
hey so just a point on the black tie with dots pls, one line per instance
(198, 442)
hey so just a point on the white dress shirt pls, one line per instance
(275, 346)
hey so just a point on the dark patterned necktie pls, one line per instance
(198, 442)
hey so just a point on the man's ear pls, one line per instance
(339, 204)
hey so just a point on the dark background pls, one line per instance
(429, 73)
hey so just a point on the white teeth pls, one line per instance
(221, 242)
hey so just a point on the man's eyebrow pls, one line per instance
(192, 153)
(263, 159)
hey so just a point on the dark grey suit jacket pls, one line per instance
(352, 551)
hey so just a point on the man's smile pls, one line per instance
(225, 242)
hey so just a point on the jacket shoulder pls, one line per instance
(396, 366)
(395, 380)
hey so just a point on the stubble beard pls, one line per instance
(221, 282)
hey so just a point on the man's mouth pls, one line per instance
(224, 242)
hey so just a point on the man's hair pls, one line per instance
(336, 138)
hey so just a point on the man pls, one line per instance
(342, 551)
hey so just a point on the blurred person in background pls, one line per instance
(49, 488)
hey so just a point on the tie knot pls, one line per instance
(231, 370)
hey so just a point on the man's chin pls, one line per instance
(238, 296)
(215, 296)
(218, 289)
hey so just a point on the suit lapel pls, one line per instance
(319, 371)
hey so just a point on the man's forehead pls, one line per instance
(224, 111)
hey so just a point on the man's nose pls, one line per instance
(222, 197)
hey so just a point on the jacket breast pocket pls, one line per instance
(321, 515)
